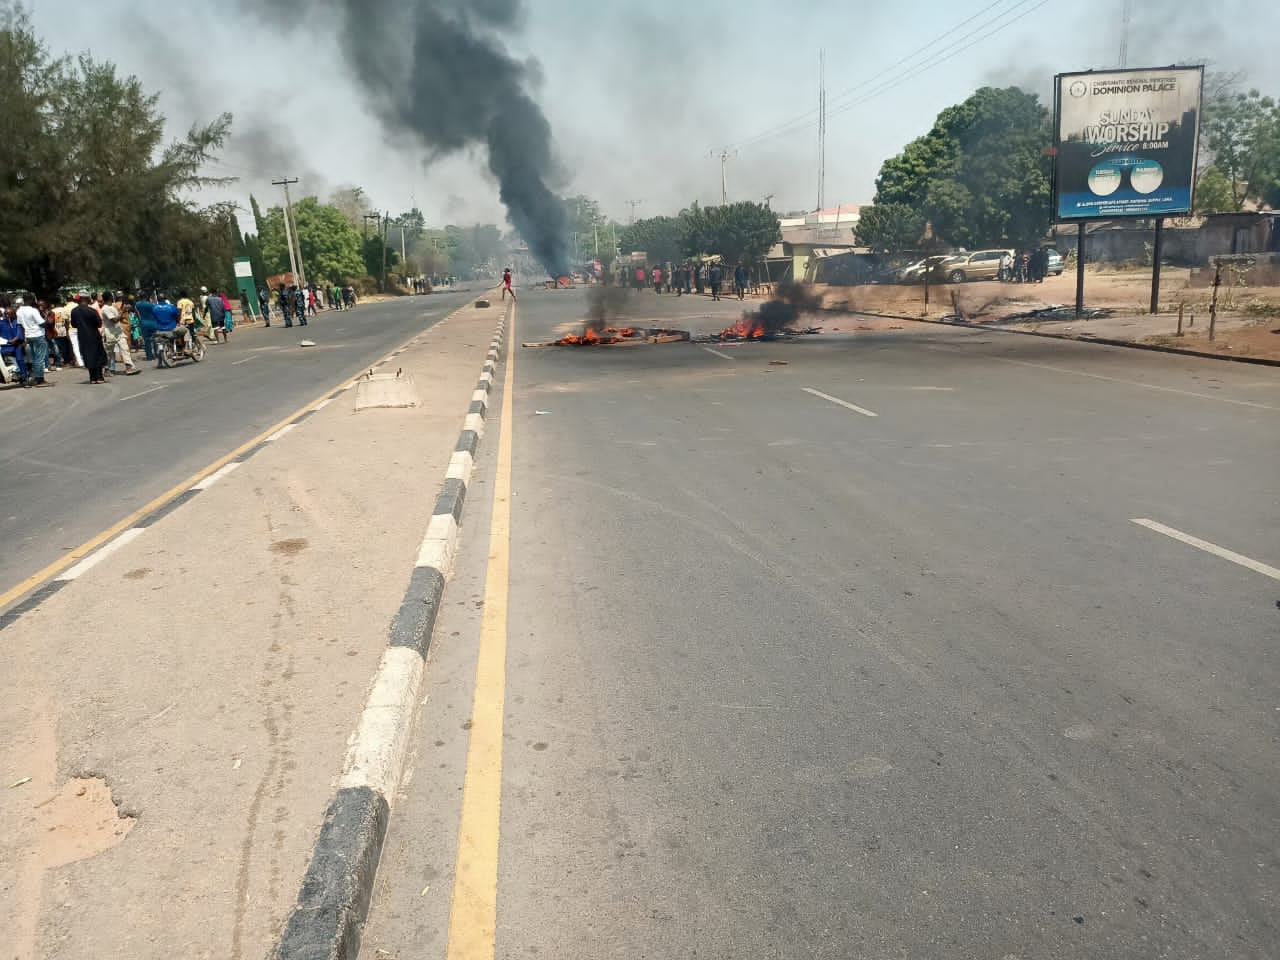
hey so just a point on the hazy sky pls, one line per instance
(644, 96)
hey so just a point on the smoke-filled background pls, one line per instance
(640, 96)
(437, 73)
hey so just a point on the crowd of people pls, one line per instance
(103, 332)
(295, 302)
(689, 278)
(1027, 266)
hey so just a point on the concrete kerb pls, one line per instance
(328, 919)
(1105, 341)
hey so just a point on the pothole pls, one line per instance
(80, 821)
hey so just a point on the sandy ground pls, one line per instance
(175, 719)
(1248, 322)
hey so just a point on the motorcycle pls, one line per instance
(169, 354)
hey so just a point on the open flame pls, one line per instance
(608, 335)
(749, 327)
(776, 317)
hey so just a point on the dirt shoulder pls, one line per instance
(1248, 319)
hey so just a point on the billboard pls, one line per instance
(1126, 142)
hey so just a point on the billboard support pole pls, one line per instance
(1079, 269)
(1157, 253)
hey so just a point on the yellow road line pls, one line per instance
(80, 552)
(473, 917)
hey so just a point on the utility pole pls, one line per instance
(288, 229)
(386, 218)
(634, 204)
(822, 129)
(724, 176)
(1125, 17)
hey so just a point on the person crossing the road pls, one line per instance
(506, 285)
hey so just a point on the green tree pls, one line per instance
(661, 238)
(88, 190)
(1242, 133)
(374, 253)
(885, 227)
(739, 232)
(330, 245)
(1213, 193)
(980, 176)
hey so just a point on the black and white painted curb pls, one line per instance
(328, 919)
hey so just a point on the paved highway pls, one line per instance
(77, 459)
(863, 655)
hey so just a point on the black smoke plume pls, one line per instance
(605, 306)
(438, 71)
(790, 302)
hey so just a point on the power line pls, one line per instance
(802, 119)
(949, 52)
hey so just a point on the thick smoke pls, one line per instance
(438, 71)
(605, 305)
(790, 303)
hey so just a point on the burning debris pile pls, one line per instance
(777, 317)
(606, 308)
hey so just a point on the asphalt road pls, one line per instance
(76, 459)
(787, 679)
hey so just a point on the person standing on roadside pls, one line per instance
(54, 361)
(740, 281)
(264, 304)
(715, 277)
(88, 326)
(217, 316)
(116, 336)
(33, 333)
(147, 323)
(62, 334)
(300, 304)
(14, 340)
(228, 321)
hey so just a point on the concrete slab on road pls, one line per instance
(209, 670)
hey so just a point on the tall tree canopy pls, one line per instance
(89, 192)
(661, 238)
(331, 246)
(1242, 134)
(737, 231)
(980, 176)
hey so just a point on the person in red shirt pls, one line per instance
(506, 285)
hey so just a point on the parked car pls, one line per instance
(979, 265)
(915, 272)
(1055, 262)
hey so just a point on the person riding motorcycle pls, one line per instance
(166, 315)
